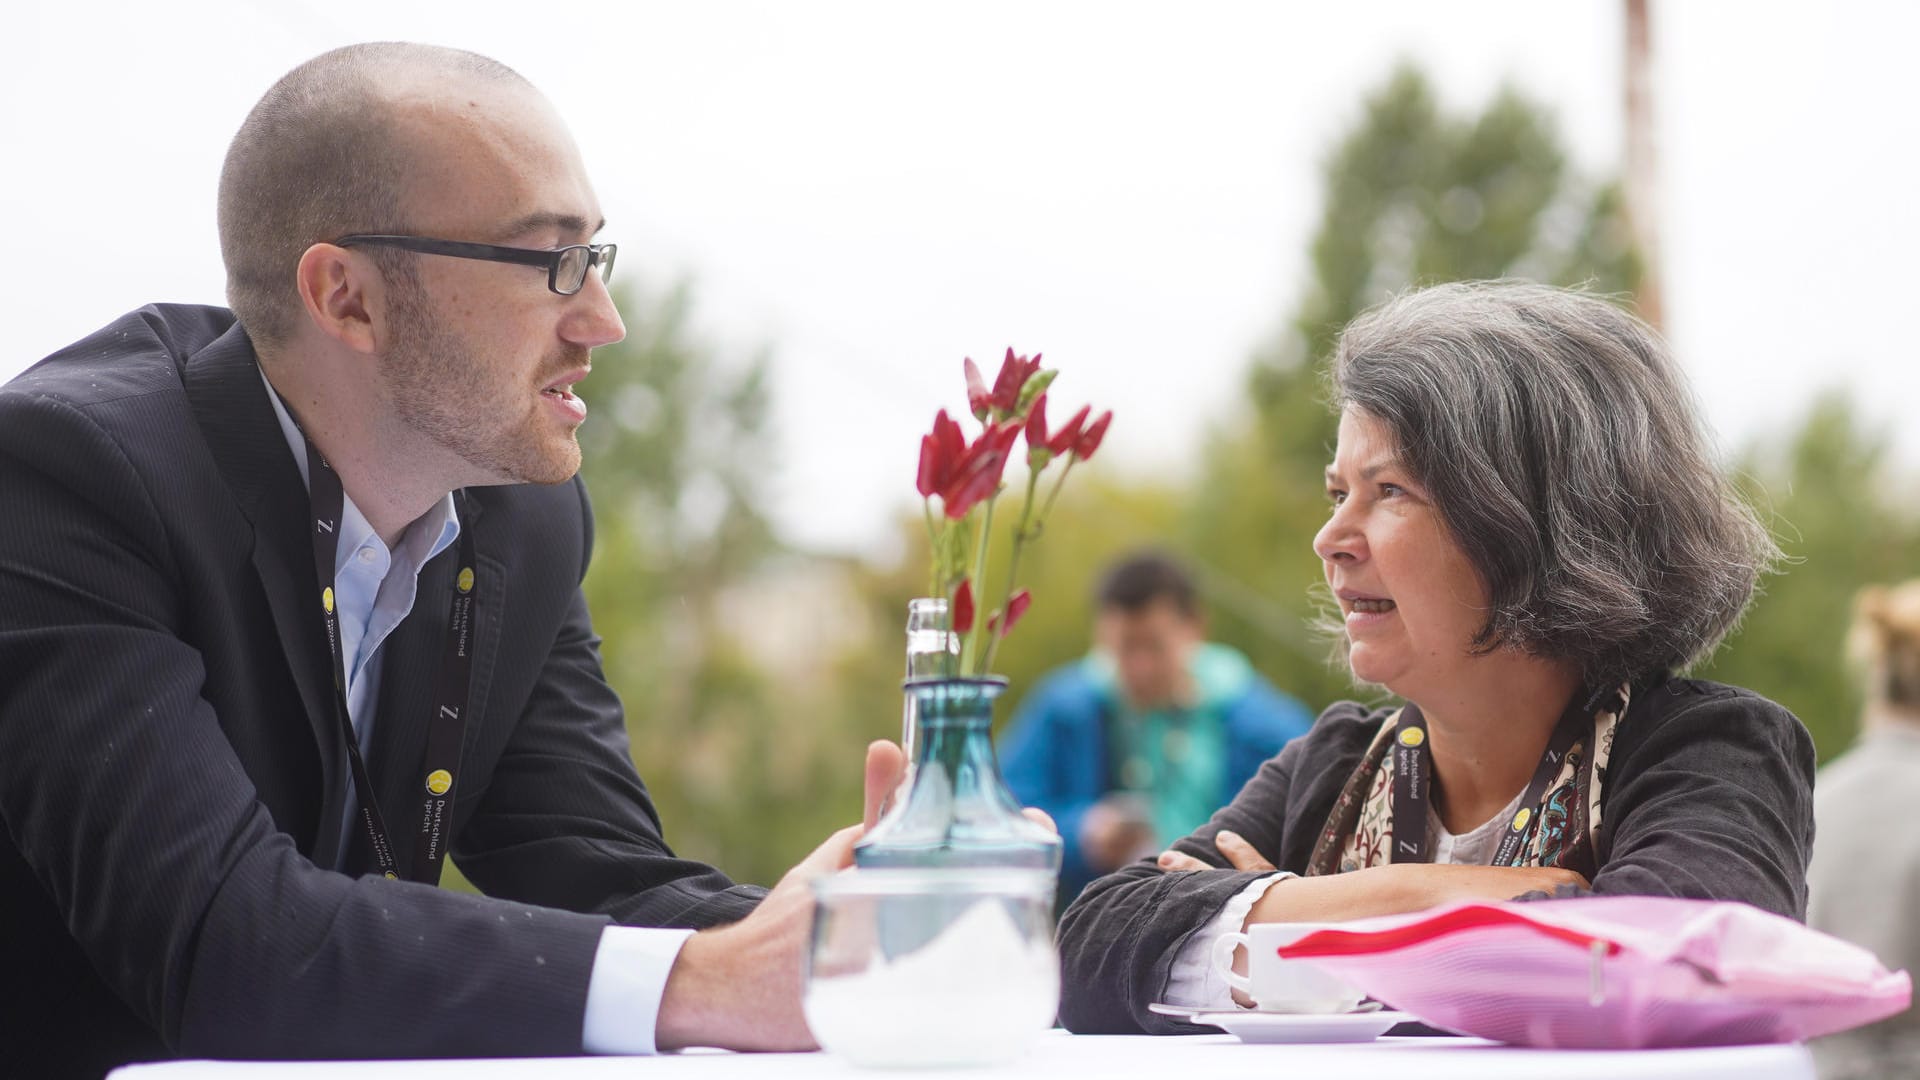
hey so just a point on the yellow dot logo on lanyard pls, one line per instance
(439, 780)
(466, 579)
(1413, 736)
(391, 876)
(326, 599)
(1520, 819)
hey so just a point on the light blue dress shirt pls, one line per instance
(373, 590)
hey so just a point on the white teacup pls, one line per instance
(1282, 986)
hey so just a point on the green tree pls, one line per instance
(1414, 197)
(1826, 490)
(676, 457)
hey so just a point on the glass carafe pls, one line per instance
(957, 811)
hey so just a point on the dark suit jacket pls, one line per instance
(172, 776)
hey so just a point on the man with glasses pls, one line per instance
(290, 610)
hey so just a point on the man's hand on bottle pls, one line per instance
(739, 986)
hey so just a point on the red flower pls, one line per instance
(1014, 373)
(940, 452)
(963, 607)
(966, 473)
(978, 399)
(1064, 439)
(1037, 424)
(1089, 440)
(1016, 607)
(1042, 447)
(977, 474)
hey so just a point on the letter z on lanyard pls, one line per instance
(1413, 775)
(450, 692)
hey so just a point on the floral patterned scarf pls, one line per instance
(1359, 830)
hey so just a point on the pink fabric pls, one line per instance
(1671, 972)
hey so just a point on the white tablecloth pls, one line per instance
(1059, 1056)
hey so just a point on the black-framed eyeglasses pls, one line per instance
(566, 267)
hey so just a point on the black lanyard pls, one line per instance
(1413, 776)
(450, 705)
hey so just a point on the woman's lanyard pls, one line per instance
(1413, 775)
(450, 704)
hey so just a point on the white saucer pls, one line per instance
(1188, 1012)
(1266, 1027)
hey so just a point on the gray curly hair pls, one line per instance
(1566, 455)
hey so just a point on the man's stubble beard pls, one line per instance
(441, 394)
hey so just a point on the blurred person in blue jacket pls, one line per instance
(1140, 742)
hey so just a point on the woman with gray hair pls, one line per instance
(1527, 539)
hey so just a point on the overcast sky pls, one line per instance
(874, 190)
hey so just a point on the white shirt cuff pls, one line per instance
(623, 994)
(1193, 981)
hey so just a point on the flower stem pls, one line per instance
(1013, 564)
(980, 578)
(1057, 485)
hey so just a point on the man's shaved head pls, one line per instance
(320, 156)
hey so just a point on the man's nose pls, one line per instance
(593, 319)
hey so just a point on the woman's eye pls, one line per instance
(1392, 489)
(1336, 497)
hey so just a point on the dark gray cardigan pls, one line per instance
(1709, 794)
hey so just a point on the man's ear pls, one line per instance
(340, 291)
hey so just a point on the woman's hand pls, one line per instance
(1381, 890)
(1239, 854)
